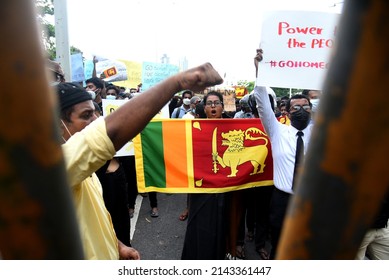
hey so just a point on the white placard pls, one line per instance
(297, 47)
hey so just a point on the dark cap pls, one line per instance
(71, 94)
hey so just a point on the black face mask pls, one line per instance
(300, 119)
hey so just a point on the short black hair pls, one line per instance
(305, 92)
(284, 98)
(200, 110)
(112, 86)
(297, 96)
(187, 92)
(215, 93)
(99, 83)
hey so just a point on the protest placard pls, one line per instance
(297, 47)
(153, 73)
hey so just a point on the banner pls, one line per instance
(296, 46)
(202, 156)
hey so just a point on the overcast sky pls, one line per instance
(225, 33)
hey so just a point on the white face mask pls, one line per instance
(186, 101)
(315, 104)
(92, 94)
(111, 97)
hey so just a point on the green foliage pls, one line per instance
(45, 10)
(280, 92)
(44, 7)
(74, 50)
(249, 85)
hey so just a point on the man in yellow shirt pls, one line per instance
(89, 143)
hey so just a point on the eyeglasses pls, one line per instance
(298, 107)
(215, 103)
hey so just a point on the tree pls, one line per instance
(280, 92)
(45, 12)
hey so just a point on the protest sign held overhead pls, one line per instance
(297, 47)
(153, 73)
(111, 70)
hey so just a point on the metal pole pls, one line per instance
(346, 174)
(62, 37)
(37, 216)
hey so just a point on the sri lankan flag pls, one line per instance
(202, 156)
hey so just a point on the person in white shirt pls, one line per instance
(179, 112)
(283, 140)
(191, 114)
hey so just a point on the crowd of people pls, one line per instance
(218, 225)
(90, 144)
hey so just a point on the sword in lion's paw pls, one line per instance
(214, 151)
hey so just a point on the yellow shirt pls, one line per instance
(85, 152)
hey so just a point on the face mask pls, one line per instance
(92, 94)
(300, 119)
(111, 97)
(186, 101)
(315, 104)
(67, 130)
(97, 91)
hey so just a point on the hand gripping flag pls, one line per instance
(202, 156)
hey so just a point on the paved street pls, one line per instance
(162, 238)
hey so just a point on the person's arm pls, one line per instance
(141, 109)
(127, 253)
(265, 111)
(95, 60)
(257, 59)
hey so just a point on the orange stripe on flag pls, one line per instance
(175, 151)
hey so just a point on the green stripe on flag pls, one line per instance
(153, 158)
